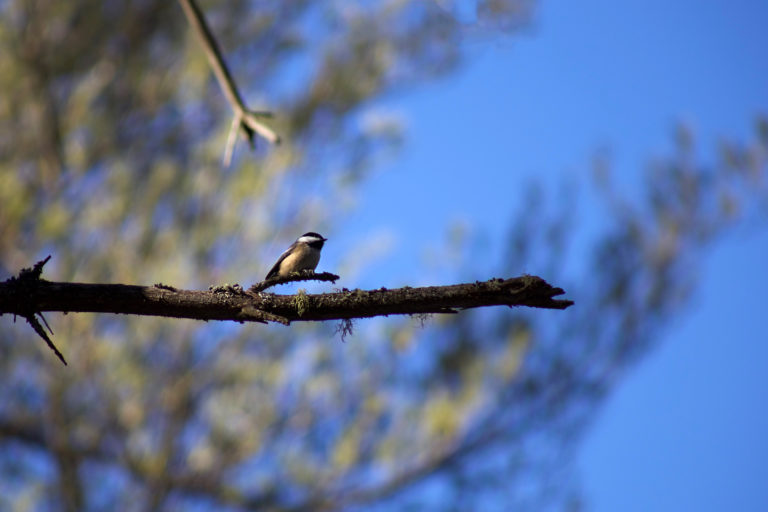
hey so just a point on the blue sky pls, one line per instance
(685, 429)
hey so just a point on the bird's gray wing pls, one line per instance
(273, 271)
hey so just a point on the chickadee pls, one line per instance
(303, 254)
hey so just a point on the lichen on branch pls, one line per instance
(28, 295)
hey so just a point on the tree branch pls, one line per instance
(28, 295)
(247, 121)
(305, 275)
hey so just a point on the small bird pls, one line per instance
(303, 254)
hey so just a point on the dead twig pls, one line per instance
(306, 275)
(246, 121)
(25, 287)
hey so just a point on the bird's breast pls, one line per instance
(302, 258)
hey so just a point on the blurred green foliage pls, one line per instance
(111, 134)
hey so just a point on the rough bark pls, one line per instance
(27, 295)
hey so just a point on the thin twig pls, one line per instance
(247, 120)
(32, 320)
(229, 149)
(306, 275)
